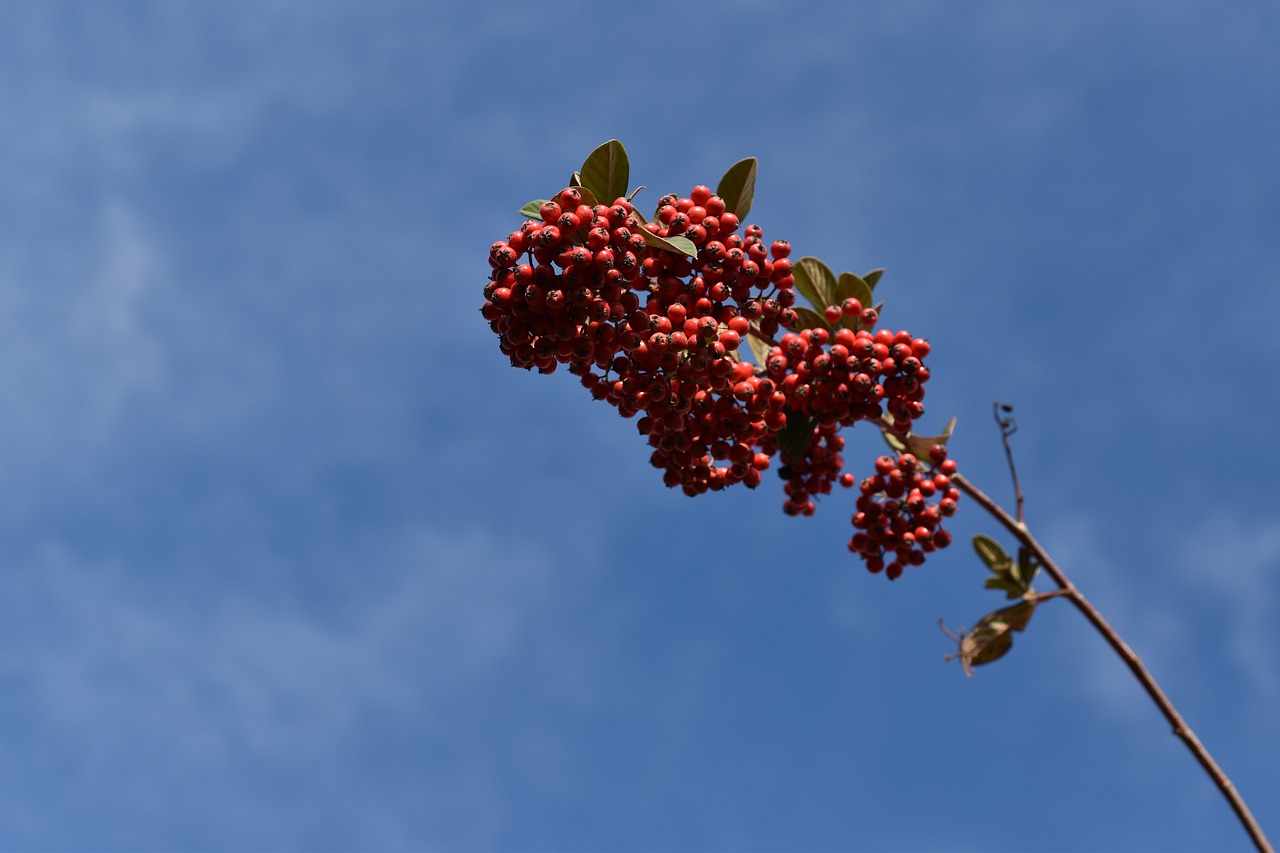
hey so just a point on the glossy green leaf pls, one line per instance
(738, 187)
(759, 349)
(575, 180)
(794, 438)
(993, 555)
(810, 319)
(606, 171)
(822, 281)
(872, 277)
(679, 245)
(533, 210)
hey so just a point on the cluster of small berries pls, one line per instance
(853, 377)
(814, 472)
(656, 332)
(895, 515)
(568, 290)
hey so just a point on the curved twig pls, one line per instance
(1068, 590)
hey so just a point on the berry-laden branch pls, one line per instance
(651, 315)
(1068, 590)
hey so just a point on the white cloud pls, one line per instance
(75, 348)
(203, 672)
(1238, 565)
(181, 697)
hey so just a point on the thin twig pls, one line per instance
(1180, 728)
(1008, 426)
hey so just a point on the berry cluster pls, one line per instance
(855, 375)
(814, 472)
(651, 316)
(838, 380)
(894, 513)
(568, 290)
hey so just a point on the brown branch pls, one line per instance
(1180, 728)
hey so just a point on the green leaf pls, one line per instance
(992, 637)
(993, 555)
(1012, 589)
(810, 319)
(606, 171)
(819, 280)
(759, 349)
(1026, 568)
(533, 210)
(850, 286)
(575, 180)
(794, 438)
(872, 277)
(679, 245)
(738, 187)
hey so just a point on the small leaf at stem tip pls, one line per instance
(606, 171)
(821, 279)
(872, 277)
(738, 187)
(533, 210)
(794, 438)
(759, 348)
(993, 555)
(679, 245)
(575, 180)
(992, 637)
(810, 319)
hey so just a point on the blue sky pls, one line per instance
(294, 560)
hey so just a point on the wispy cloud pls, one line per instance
(1237, 565)
(213, 687)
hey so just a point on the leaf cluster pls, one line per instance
(992, 637)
